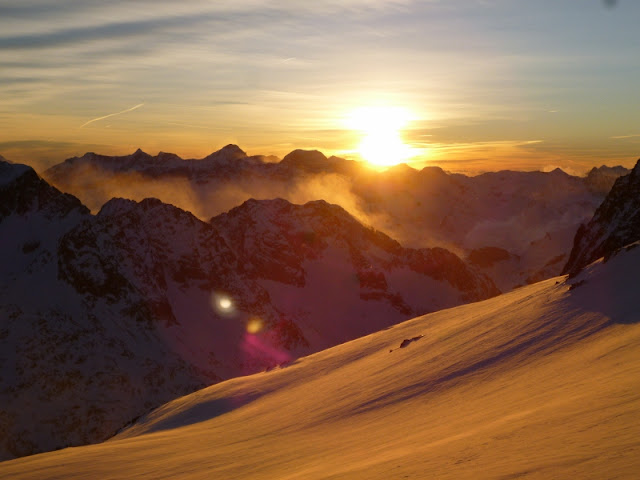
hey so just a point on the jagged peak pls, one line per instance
(139, 153)
(279, 204)
(121, 206)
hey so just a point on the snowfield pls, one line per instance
(543, 382)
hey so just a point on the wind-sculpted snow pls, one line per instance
(419, 208)
(543, 382)
(615, 224)
(106, 316)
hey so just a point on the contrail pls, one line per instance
(112, 114)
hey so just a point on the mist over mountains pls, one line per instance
(107, 315)
(533, 216)
(144, 302)
(542, 379)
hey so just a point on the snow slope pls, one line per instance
(543, 382)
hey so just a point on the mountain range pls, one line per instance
(420, 208)
(106, 316)
(541, 382)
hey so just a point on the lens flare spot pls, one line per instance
(254, 325)
(225, 303)
(222, 304)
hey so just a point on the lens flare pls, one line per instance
(225, 303)
(222, 304)
(254, 325)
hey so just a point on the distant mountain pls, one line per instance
(616, 223)
(532, 215)
(601, 179)
(106, 316)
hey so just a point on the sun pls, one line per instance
(381, 144)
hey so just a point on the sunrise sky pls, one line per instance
(486, 84)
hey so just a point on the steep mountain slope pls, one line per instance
(420, 209)
(542, 382)
(106, 316)
(615, 224)
(337, 278)
(75, 362)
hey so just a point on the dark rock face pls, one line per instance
(616, 223)
(23, 191)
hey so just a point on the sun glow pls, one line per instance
(381, 143)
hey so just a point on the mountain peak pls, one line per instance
(232, 148)
(227, 153)
(309, 156)
(22, 190)
(11, 171)
(140, 154)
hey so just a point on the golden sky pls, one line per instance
(489, 84)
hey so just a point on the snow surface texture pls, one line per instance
(543, 382)
(423, 208)
(106, 316)
(615, 224)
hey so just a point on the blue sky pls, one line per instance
(490, 83)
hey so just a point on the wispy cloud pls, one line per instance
(626, 136)
(112, 115)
